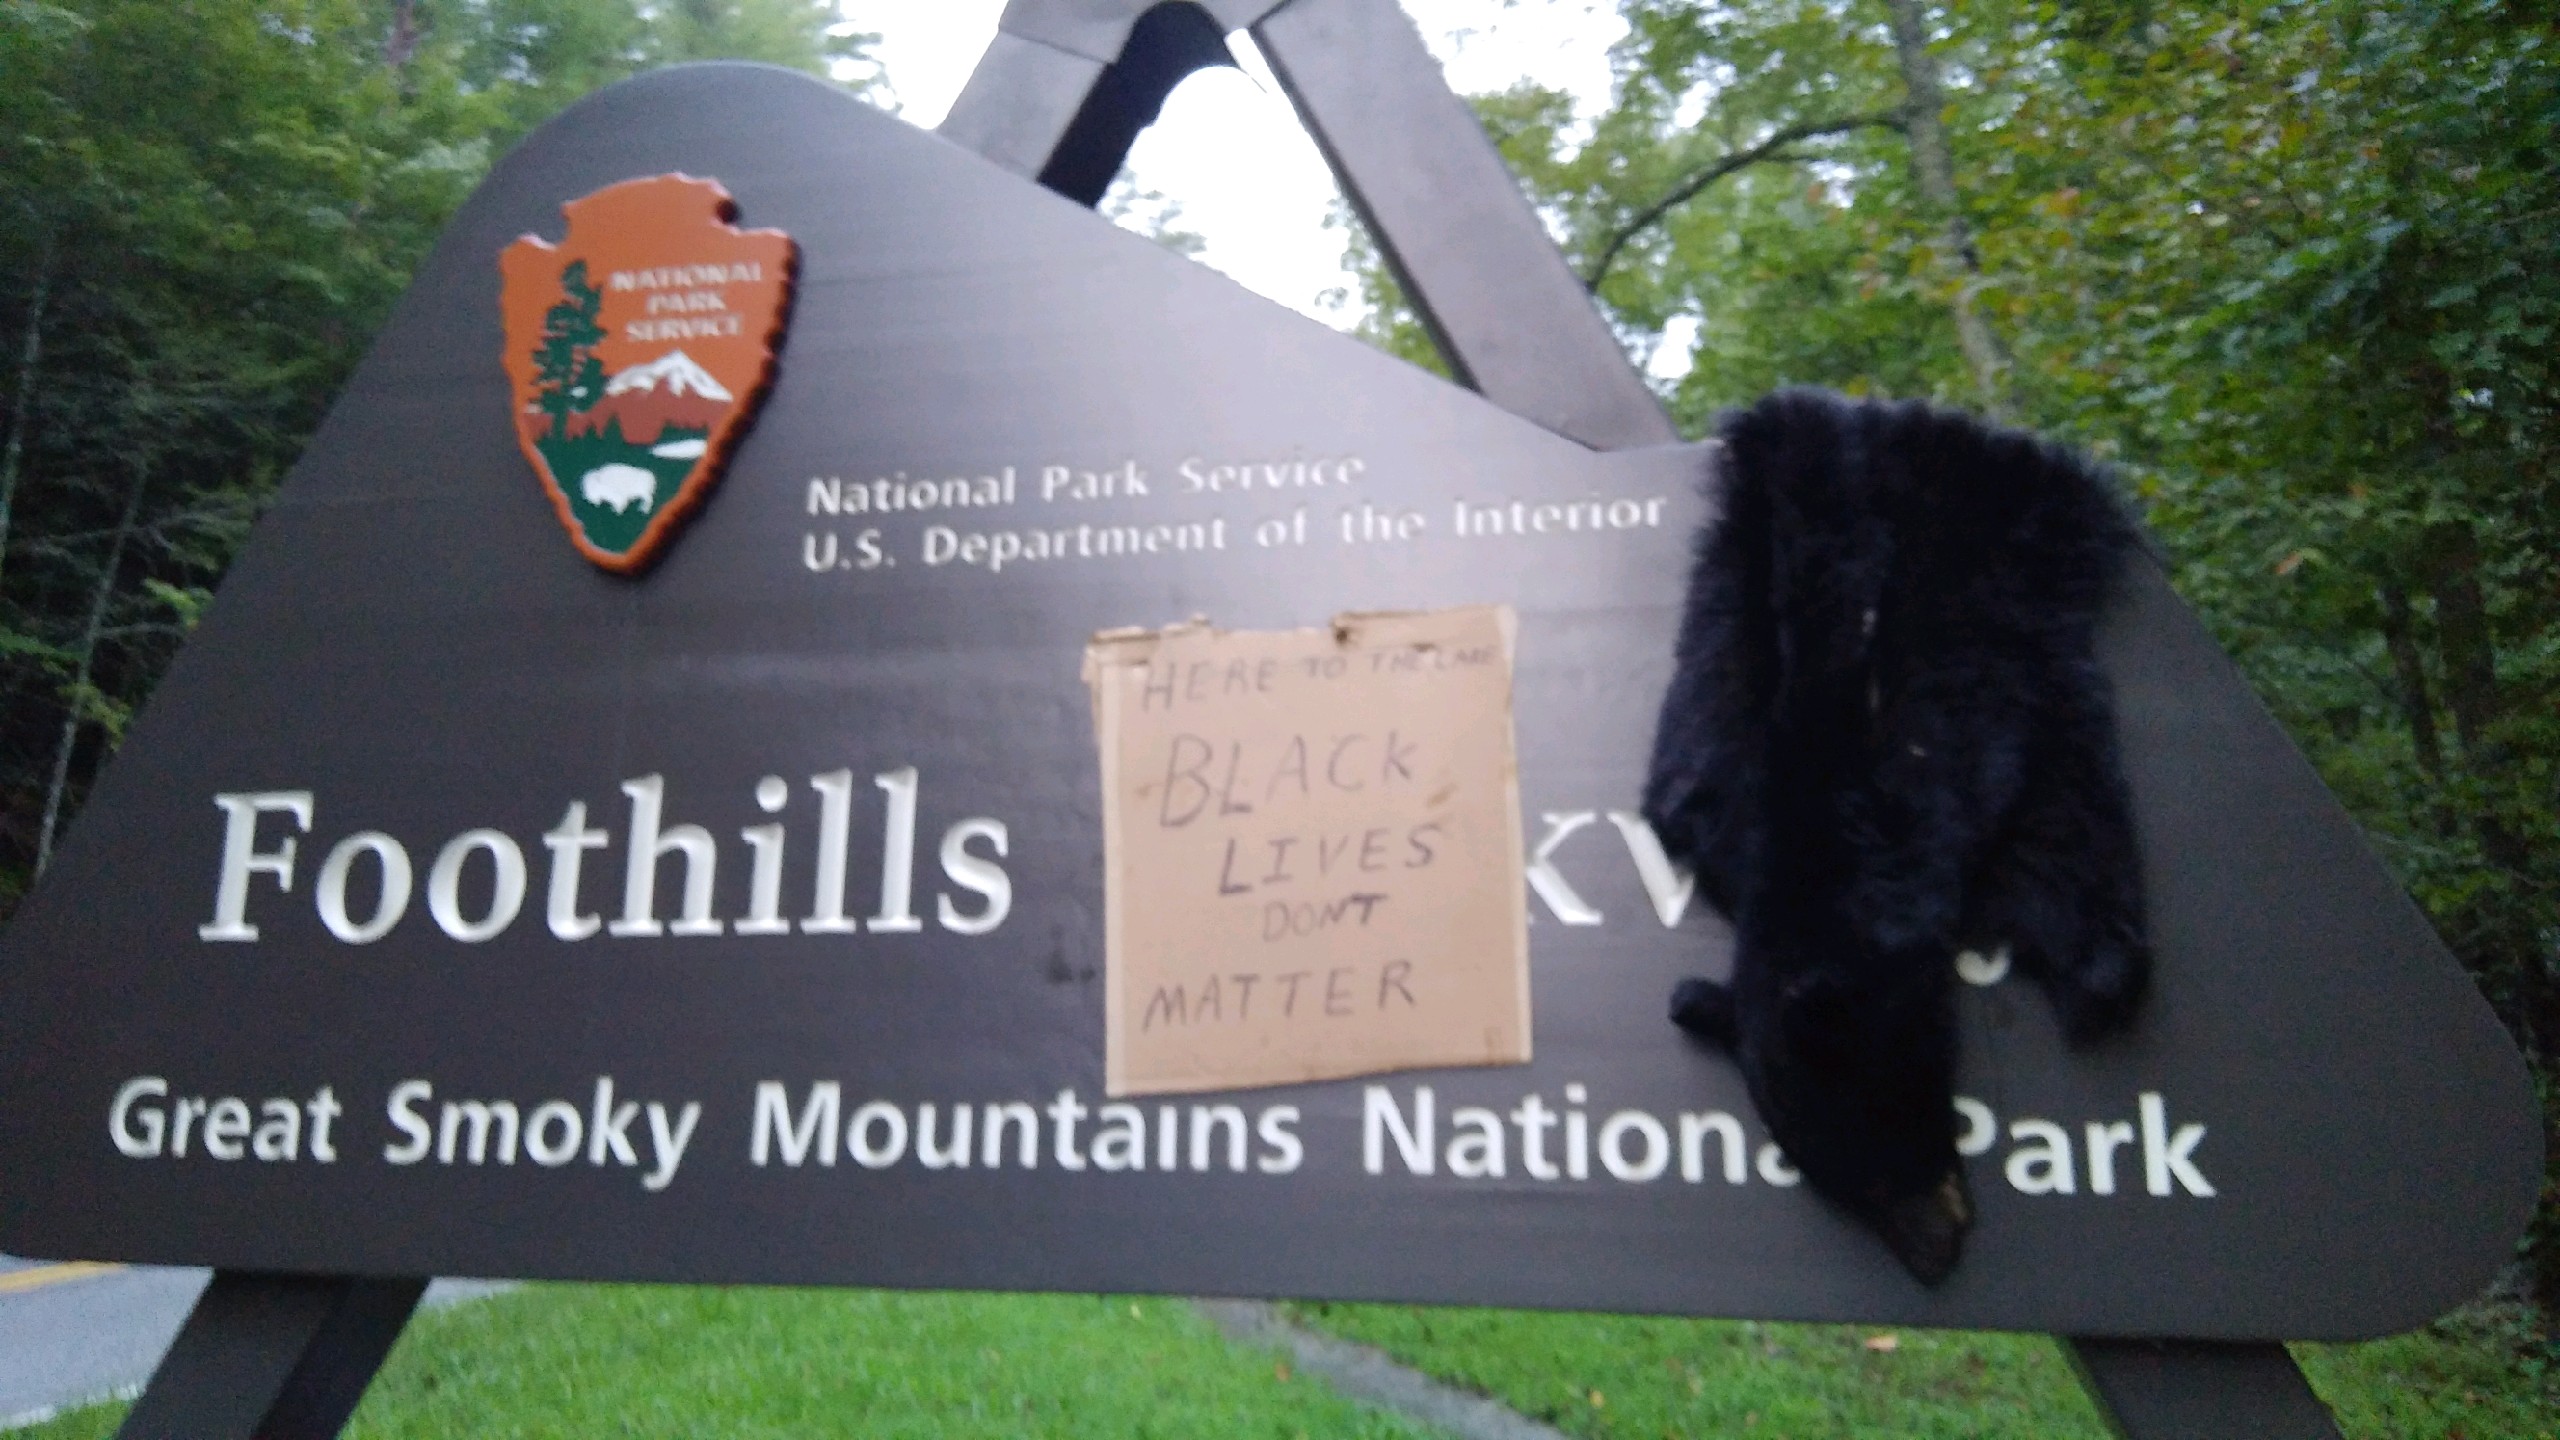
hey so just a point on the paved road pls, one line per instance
(70, 1334)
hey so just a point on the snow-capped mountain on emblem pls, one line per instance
(639, 348)
(677, 369)
(668, 393)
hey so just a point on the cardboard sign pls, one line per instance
(1311, 843)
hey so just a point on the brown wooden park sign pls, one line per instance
(732, 908)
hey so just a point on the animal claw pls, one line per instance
(1704, 1009)
(1926, 1231)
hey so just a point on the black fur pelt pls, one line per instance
(1888, 742)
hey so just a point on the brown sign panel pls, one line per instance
(456, 907)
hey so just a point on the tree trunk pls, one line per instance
(400, 44)
(1933, 170)
(98, 603)
(2408, 663)
(30, 351)
(2471, 677)
(2462, 630)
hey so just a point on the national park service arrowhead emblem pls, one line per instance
(638, 349)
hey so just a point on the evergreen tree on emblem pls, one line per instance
(571, 377)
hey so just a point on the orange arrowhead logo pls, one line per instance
(638, 349)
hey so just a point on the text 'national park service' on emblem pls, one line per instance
(638, 348)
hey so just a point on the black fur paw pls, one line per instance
(2099, 996)
(1704, 1008)
(1926, 1231)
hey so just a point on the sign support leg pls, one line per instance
(2199, 1390)
(1496, 295)
(1067, 85)
(272, 1357)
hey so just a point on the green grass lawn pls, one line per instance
(2478, 1375)
(1618, 1375)
(587, 1361)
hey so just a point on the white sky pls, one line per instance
(1229, 151)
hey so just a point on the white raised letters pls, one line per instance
(241, 858)
(366, 881)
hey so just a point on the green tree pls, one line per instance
(803, 34)
(570, 377)
(206, 209)
(2277, 260)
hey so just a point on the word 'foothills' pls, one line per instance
(477, 882)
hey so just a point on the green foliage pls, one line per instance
(803, 34)
(2281, 267)
(206, 209)
(2278, 260)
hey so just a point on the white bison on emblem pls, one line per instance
(619, 487)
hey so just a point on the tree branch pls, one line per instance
(1935, 173)
(1772, 148)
